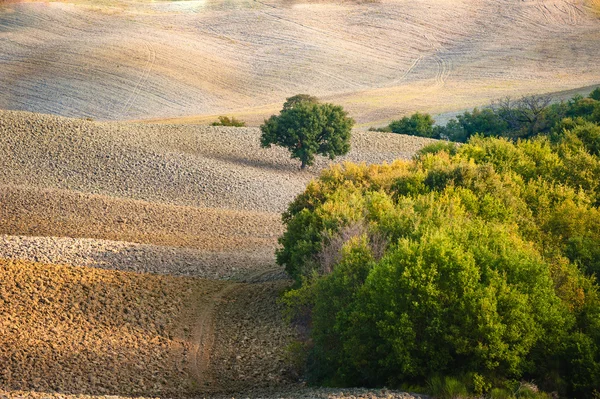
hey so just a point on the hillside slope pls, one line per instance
(129, 59)
(138, 259)
(197, 166)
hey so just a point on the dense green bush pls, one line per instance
(484, 121)
(416, 125)
(226, 121)
(476, 264)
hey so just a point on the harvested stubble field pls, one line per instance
(132, 59)
(138, 259)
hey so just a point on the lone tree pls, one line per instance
(307, 127)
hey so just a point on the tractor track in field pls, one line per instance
(143, 78)
(195, 60)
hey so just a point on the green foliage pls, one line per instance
(480, 384)
(226, 121)
(416, 125)
(589, 134)
(446, 146)
(295, 357)
(446, 388)
(475, 263)
(524, 118)
(484, 121)
(500, 393)
(460, 302)
(297, 99)
(306, 128)
(583, 107)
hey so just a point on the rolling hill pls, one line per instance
(138, 259)
(187, 61)
(136, 244)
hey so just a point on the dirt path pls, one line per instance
(89, 331)
(216, 322)
(250, 340)
(203, 339)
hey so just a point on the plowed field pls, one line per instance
(194, 59)
(138, 259)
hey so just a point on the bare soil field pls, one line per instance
(69, 329)
(294, 392)
(237, 264)
(192, 60)
(198, 166)
(80, 330)
(27, 211)
(138, 259)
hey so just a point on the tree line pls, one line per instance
(515, 119)
(464, 272)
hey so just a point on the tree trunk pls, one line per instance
(303, 166)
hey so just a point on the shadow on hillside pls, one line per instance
(219, 265)
(291, 166)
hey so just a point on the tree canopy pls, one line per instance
(307, 127)
(476, 262)
(526, 117)
(416, 125)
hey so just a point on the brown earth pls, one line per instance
(234, 264)
(106, 231)
(293, 392)
(36, 212)
(195, 59)
(198, 166)
(79, 330)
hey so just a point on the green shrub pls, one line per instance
(480, 385)
(416, 125)
(446, 388)
(501, 393)
(446, 146)
(226, 121)
(525, 118)
(484, 121)
(582, 107)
